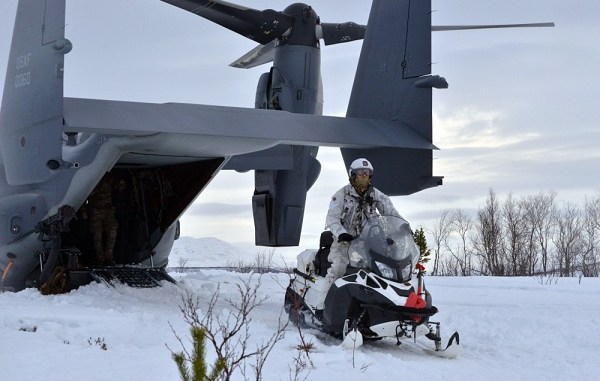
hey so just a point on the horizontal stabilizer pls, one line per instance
(274, 127)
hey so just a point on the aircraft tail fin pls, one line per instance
(31, 116)
(393, 82)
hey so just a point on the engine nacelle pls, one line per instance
(262, 91)
(279, 199)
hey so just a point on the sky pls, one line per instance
(520, 114)
(519, 328)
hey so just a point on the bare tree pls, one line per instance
(488, 236)
(567, 239)
(229, 332)
(515, 233)
(460, 226)
(530, 221)
(545, 211)
(440, 232)
(449, 266)
(531, 235)
(590, 258)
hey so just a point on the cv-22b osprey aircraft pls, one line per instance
(61, 157)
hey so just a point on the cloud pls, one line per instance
(217, 209)
(474, 128)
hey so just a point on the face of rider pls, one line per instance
(361, 179)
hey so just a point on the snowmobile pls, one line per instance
(376, 297)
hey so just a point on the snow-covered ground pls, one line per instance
(511, 329)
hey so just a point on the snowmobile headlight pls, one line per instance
(406, 272)
(386, 271)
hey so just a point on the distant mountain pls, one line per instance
(213, 252)
(207, 252)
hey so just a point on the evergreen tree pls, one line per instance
(424, 251)
(197, 360)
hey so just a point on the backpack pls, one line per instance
(321, 263)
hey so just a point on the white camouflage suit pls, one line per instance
(348, 213)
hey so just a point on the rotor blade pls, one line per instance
(344, 32)
(465, 27)
(260, 26)
(260, 55)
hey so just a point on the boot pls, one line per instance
(315, 295)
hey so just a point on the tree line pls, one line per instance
(529, 235)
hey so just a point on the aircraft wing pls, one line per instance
(139, 119)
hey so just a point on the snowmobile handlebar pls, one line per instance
(305, 276)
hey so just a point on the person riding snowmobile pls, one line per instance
(349, 210)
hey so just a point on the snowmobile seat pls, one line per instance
(321, 263)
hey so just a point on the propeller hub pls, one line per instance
(303, 31)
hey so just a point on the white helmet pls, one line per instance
(360, 163)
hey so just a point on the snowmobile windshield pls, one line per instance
(385, 246)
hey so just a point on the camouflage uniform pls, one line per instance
(103, 221)
(349, 212)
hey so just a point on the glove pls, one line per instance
(345, 237)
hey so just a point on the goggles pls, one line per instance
(362, 172)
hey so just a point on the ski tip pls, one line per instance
(451, 351)
(455, 337)
(353, 340)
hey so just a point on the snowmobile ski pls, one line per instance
(451, 351)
